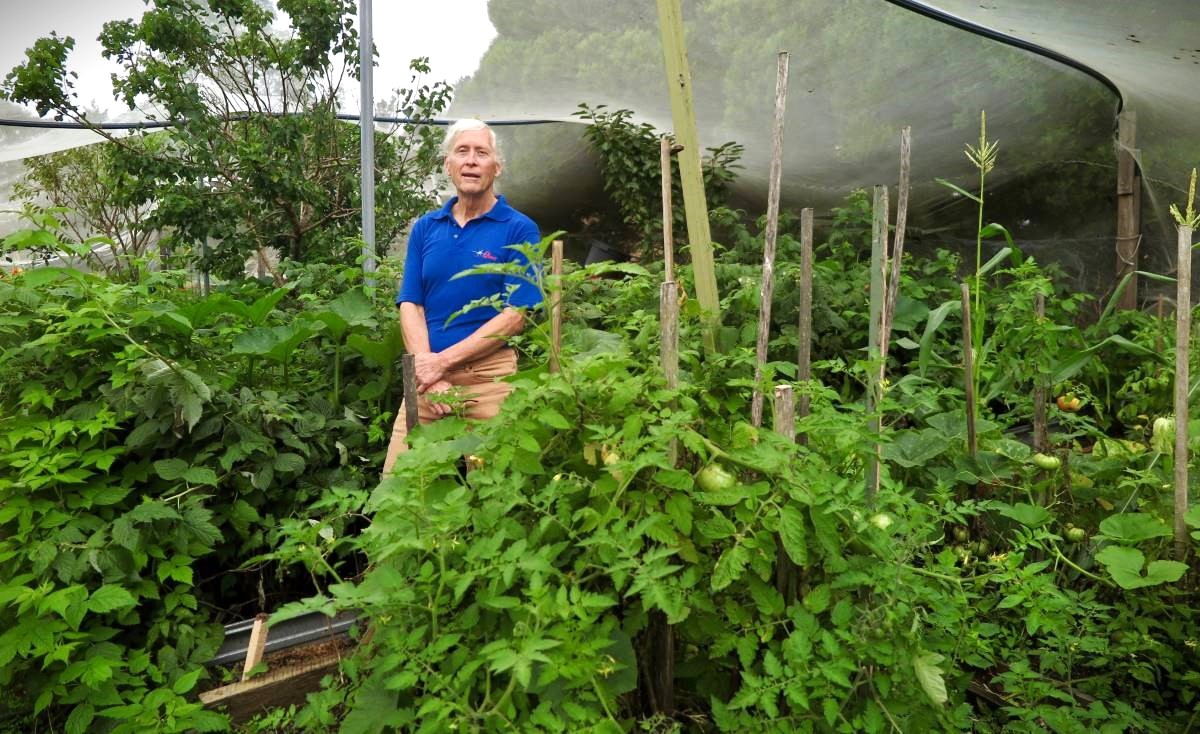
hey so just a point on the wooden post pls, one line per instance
(874, 384)
(968, 368)
(556, 271)
(1128, 214)
(668, 319)
(1040, 439)
(664, 146)
(409, 380)
(787, 574)
(767, 287)
(256, 646)
(893, 290)
(1158, 337)
(683, 115)
(785, 411)
(804, 331)
(1183, 330)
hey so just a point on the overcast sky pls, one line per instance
(454, 37)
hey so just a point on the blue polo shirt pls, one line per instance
(439, 249)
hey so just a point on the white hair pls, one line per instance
(467, 125)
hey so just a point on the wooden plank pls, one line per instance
(668, 215)
(766, 290)
(683, 115)
(282, 687)
(256, 646)
(1128, 214)
(804, 331)
(556, 271)
(1183, 331)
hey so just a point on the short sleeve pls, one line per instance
(412, 289)
(521, 293)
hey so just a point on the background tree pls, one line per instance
(258, 157)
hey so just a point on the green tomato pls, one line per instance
(715, 478)
(1076, 535)
(1047, 462)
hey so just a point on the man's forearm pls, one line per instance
(414, 328)
(488, 338)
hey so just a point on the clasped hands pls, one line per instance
(431, 369)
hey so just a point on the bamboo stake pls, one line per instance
(893, 290)
(767, 289)
(1183, 330)
(409, 380)
(874, 383)
(256, 646)
(556, 271)
(691, 176)
(1128, 224)
(664, 146)
(1040, 441)
(804, 331)
(668, 319)
(968, 368)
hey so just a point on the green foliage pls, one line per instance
(241, 92)
(631, 165)
(144, 457)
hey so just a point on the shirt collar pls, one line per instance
(500, 211)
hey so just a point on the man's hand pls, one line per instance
(431, 368)
(440, 409)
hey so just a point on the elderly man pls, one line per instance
(473, 228)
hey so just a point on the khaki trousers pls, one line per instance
(479, 380)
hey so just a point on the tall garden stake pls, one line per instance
(767, 289)
(1040, 440)
(664, 146)
(691, 175)
(668, 319)
(968, 368)
(804, 330)
(556, 271)
(408, 376)
(893, 291)
(1183, 330)
(1187, 221)
(787, 573)
(874, 384)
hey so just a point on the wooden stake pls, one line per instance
(691, 176)
(767, 288)
(256, 646)
(874, 381)
(1183, 330)
(668, 320)
(409, 380)
(804, 331)
(968, 368)
(1040, 440)
(785, 411)
(787, 574)
(1128, 216)
(556, 271)
(893, 290)
(664, 145)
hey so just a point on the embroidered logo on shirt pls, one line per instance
(485, 254)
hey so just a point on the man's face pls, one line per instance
(472, 163)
